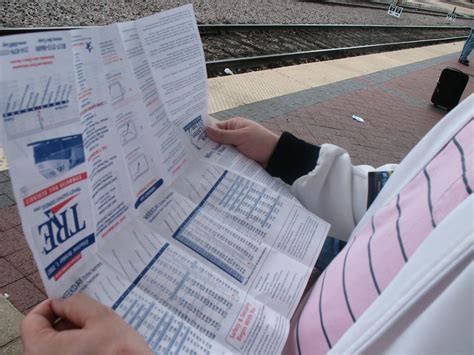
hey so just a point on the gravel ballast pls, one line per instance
(32, 13)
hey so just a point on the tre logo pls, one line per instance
(62, 224)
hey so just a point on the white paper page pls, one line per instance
(191, 297)
(173, 300)
(173, 46)
(252, 235)
(44, 145)
(235, 329)
(252, 209)
(218, 257)
(125, 108)
(111, 197)
(171, 152)
(229, 158)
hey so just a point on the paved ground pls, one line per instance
(19, 277)
(395, 104)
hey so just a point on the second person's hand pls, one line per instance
(251, 139)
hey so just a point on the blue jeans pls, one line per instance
(331, 248)
(468, 46)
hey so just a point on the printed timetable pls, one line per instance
(125, 198)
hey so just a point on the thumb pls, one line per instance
(79, 309)
(224, 136)
(39, 321)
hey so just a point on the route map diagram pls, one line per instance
(40, 105)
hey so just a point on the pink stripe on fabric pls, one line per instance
(335, 315)
(466, 140)
(312, 339)
(387, 258)
(359, 284)
(291, 346)
(414, 202)
(470, 172)
(466, 136)
(448, 202)
(444, 170)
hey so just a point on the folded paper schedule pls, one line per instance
(123, 197)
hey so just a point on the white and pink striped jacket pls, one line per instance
(404, 282)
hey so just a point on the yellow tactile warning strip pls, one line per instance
(460, 8)
(237, 90)
(3, 160)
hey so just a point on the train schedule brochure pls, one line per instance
(123, 197)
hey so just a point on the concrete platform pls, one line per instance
(316, 101)
(10, 318)
(237, 90)
(462, 7)
(391, 91)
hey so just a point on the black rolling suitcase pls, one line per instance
(450, 87)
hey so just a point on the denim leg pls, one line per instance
(331, 248)
(468, 46)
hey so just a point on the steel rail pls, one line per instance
(245, 27)
(265, 59)
(5, 31)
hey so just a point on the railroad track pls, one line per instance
(251, 47)
(242, 48)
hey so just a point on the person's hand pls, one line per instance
(251, 139)
(87, 327)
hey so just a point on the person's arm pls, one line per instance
(322, 177)
(338, 191)
(292, 158)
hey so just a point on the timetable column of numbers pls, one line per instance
(193, 301)
(249, 207)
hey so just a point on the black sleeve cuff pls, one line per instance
(292, 158)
